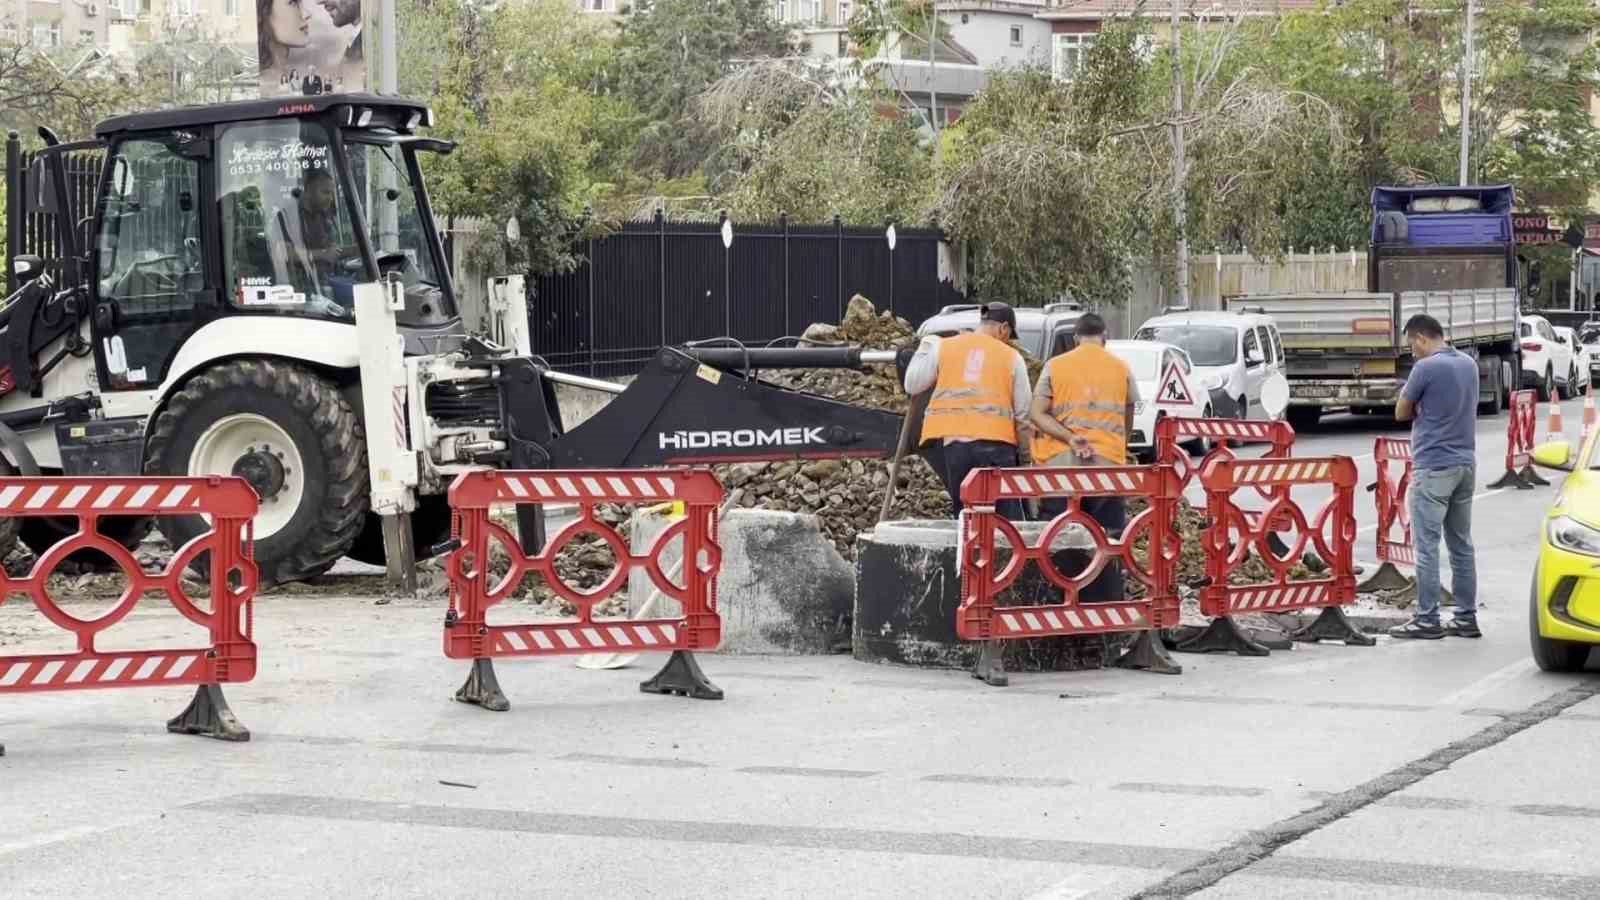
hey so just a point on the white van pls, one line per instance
(1233, 354)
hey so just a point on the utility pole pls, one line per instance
(1466, 97)
(389, 74)
(1180, 211)
(933, 88)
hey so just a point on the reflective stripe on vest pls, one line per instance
(1089, 395)
(972, 397)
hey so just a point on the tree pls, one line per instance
(774, 115)
(1060, 186)
(668, 53)
(542, 138)
(1391, 70)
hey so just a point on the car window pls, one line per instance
(1266, 344)
(1142, 360)
(1546, 332)
(1183, 362)
(1525, 329)
(1250, 343)
(1277, 343)
(1063, 343)
(1207, 345)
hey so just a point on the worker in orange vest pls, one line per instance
(980, 399)
(1082, 410)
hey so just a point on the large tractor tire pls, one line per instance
(291, 434)
(430, 527)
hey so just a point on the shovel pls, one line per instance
(649, 607)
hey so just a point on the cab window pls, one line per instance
(288, 236)
(149, 242)
(1277, 342)
(1063, 343)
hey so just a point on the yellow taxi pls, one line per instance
(1564, 603)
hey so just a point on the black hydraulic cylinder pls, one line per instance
(738, 358)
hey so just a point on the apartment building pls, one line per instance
(126, 29)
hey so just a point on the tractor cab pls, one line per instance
(261, 208)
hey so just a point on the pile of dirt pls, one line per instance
(847, 496)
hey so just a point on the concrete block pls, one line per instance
(908, 588)
(783, 586)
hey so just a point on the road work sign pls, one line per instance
(1174, 391)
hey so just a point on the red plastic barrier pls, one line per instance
(231, 654)
(1520, 427)
(979, 619)
(1234, 533)
(1394, 513)
(1170, 431)
(474, 590)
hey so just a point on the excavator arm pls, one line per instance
(702, 406)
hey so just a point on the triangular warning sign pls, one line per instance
(1174, 391)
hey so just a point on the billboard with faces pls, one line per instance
(309, 47)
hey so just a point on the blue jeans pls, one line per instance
(1441, 500)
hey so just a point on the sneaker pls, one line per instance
(1418, 631)
(1461, 626)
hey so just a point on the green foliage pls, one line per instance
(1059, 187)
(793, 143)
(668, 53)
(1391, 73)
(541, 138)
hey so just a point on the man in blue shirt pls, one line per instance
(1440, 401)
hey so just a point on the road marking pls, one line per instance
(1476, 690)
(45, 839)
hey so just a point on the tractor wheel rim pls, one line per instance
(259, 450)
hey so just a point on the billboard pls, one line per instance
(308, 47)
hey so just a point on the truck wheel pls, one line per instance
(430, 526)
(291, 434)
(1304, 418)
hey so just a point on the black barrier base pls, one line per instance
(1223, 635)
(1509, 480)
(682, 676)
(1149, 654)
(483, 688)
(208, 715)
(991, 665)
(1333, 625)
(1387, 578)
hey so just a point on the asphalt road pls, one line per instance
(1451, 768)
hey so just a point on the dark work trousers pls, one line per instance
(1112, 514)
(961, 457)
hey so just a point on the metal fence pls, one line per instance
(660, 282)
(29, 229)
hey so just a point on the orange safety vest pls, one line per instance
(1089, 395)
(973, 396)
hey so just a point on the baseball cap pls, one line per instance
(998, 312)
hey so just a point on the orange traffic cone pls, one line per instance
(1554, 428)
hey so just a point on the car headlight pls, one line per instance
(1211, 382)
(1570, 534)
